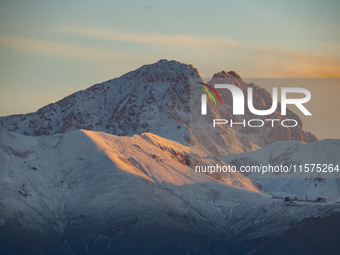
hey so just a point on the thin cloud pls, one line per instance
(292, 63)
(159, 39)
(251, 59)
(257, 59)
(59, 49)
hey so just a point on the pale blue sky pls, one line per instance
(49, 49)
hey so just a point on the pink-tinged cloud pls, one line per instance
(285, 62)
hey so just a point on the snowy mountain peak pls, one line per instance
(262, 100)
(154, 98)
(225, 75)
(164, 71)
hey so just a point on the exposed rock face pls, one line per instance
(154, 98)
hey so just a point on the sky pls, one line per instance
(50, 49)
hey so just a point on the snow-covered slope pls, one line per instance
(322, 182)
(92, 192)
(154, 98)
